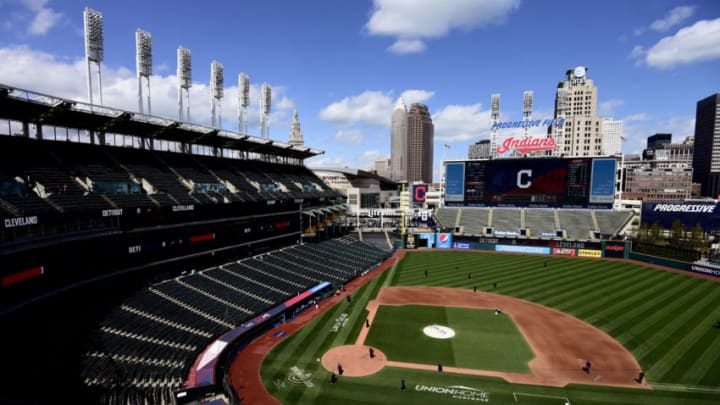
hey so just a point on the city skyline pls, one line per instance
(343, 67)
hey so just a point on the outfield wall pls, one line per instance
(615, 249)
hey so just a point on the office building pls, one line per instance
(706, 157)
(420, 136)
(576, 102)
(398, 142)
(612, 134)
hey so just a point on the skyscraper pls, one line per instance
(706, 156)
(576, 102)
(398, 142)
(420, 135)
(612, 132)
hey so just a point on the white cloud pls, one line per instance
(461, 123)
(672, 18)
(43, 21)
(372, 108)
(410, 21)
(367, 158)
(416, 96)
(405, 46)
(42, 72)
(352, 135)
(607, 108)
(696, 43)
(369, 108)
(325, 161)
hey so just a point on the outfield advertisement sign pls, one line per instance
(430, 237)
(444, 240)
(564, 251)
(589, 253)
(707, 214)
(523, 249)
(713, 271)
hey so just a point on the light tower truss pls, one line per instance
(495, 118)
(243, 101)
(217, 83)
(265, 102)
(184, 77)
(143, 62)
(94, 49)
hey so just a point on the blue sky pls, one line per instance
(344, 63)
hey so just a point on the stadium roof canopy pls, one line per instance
(354, 175)
(31, 107)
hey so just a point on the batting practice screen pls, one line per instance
(531, 182)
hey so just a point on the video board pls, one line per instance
(531, 182)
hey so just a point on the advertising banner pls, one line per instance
(689, 214)
(589, 253)
(564, 251)
(462, 245)
(615, 249)
(523, 249)
(444, 240)
(697, 268)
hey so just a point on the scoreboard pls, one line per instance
(531, 182)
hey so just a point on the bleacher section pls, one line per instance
(577, 224)
(505, 220)
(539, 221)
(446, 217)
(612, 222)
(143, 350)
(474, 220)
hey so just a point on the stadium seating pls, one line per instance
(539, 221)
(143, 349)
(474, 220)
(577, 224)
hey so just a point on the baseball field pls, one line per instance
(557, 313)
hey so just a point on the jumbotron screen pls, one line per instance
(531, 182)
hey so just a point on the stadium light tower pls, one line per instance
(143, 62)
(93, 47)
(527, 109)
(243, 101)
(495, 117)
(184, 76)
(265, 99)
(217, 83)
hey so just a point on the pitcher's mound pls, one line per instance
(355, 360)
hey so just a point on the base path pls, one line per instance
(561, 343)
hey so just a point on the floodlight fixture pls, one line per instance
(243, 101)
(527, 104)
(217, 81)
(265, 101)
(244, 90)
(495, 106)
(143, 63)
(266, 97)
(184, 77)
(495, 116)
(93, 23)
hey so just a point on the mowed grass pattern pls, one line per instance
(665, 319)
(482, 339)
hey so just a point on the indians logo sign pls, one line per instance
(526, 144)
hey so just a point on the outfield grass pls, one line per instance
(482, 339)
(664, 318)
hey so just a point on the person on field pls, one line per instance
(340, 369)
(372, 353)
(640, 377)
(403, 387)
(586, 369)
(333, 378)
(367, 323)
